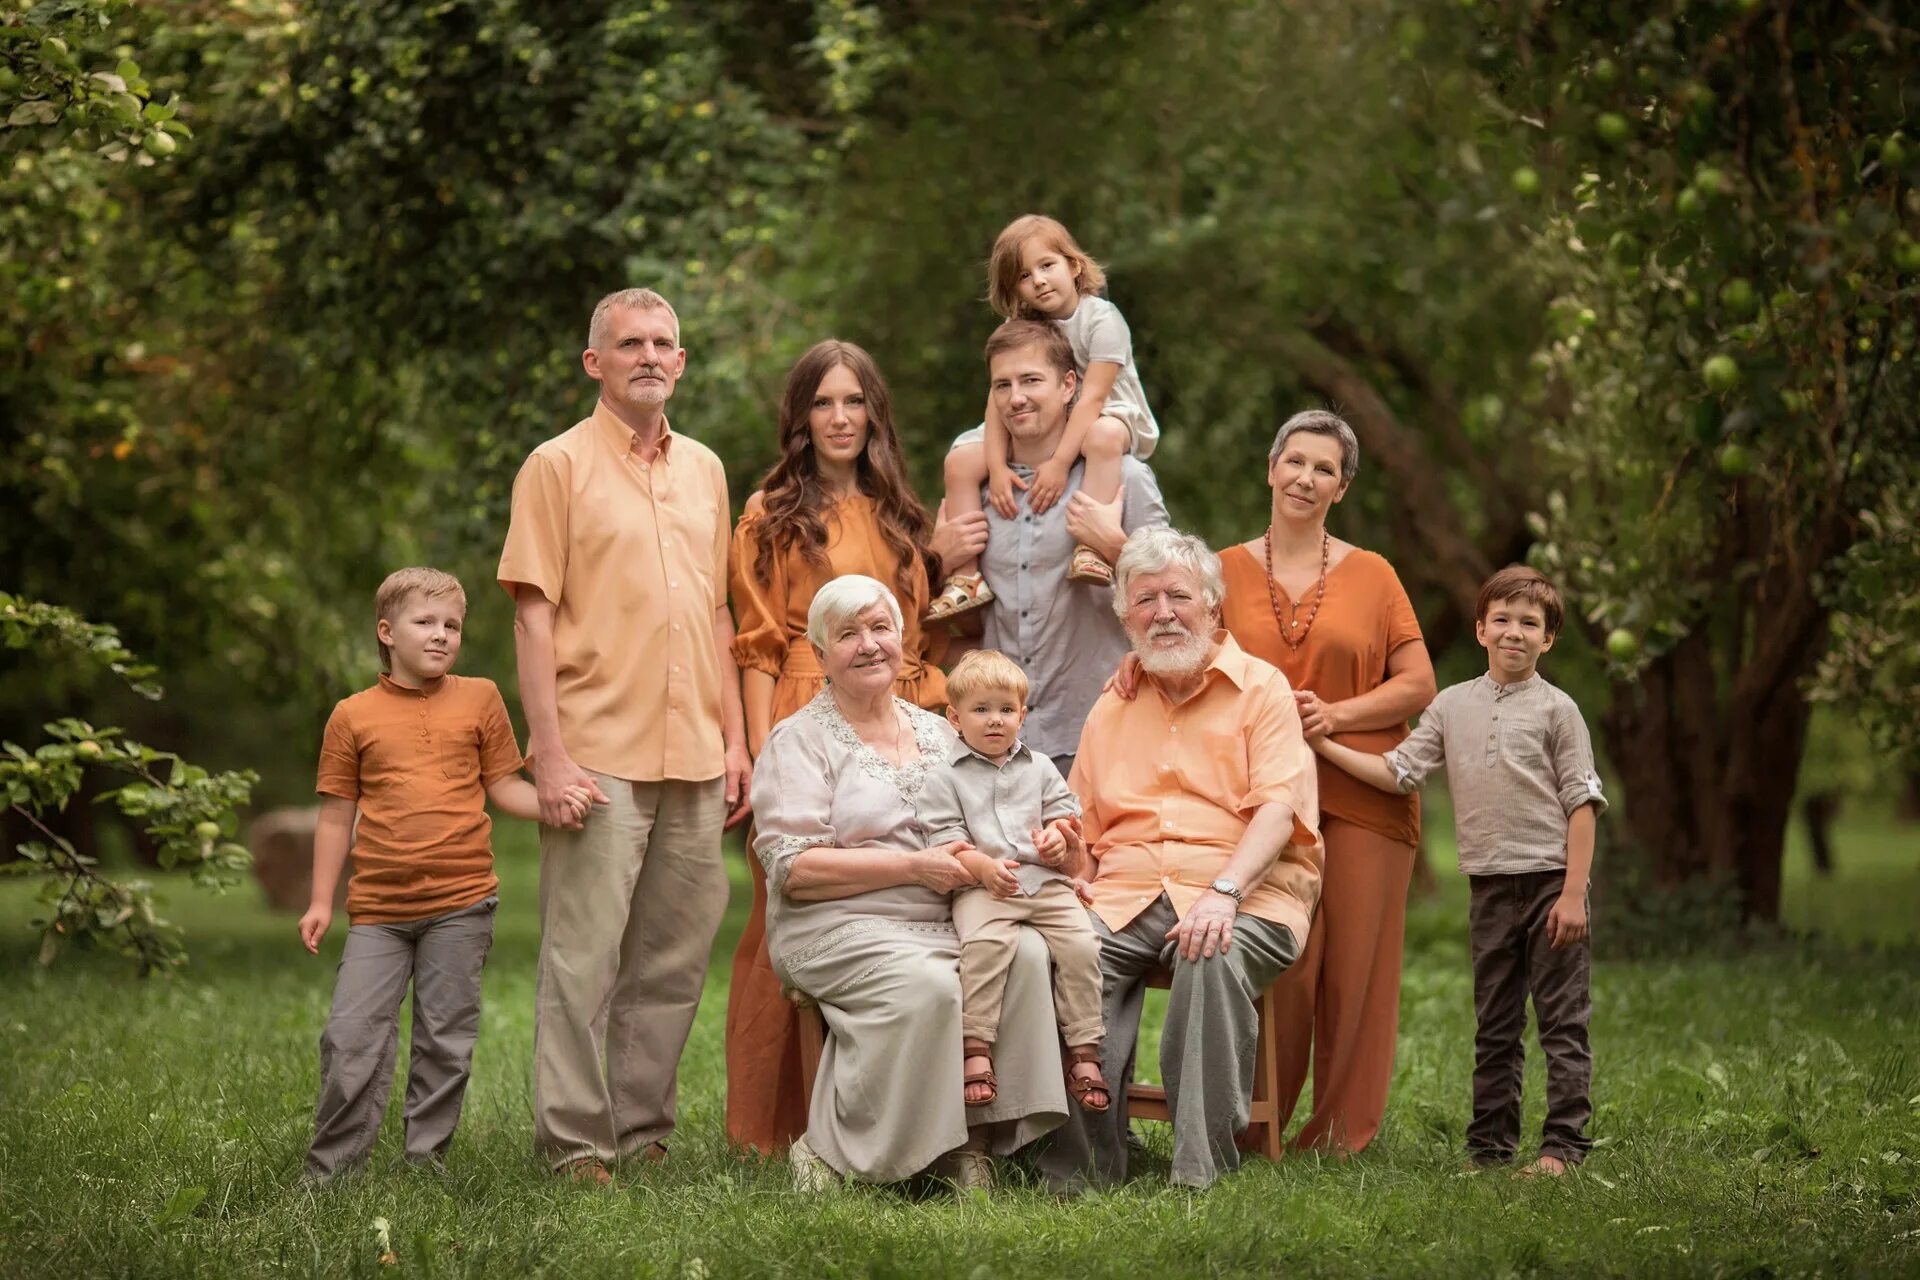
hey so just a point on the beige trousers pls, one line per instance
(989, 930)
(629, 905)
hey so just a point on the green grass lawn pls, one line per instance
(1758, 1113)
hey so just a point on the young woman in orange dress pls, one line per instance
(836, 502)
(1335, 619)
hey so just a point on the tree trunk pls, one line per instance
(1707, 782)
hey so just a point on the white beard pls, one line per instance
(1183, 660)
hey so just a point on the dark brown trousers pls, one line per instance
(1512, 960)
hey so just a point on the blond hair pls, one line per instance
(983, 670)
(634, 299)
(392, 597)
(1003, 264)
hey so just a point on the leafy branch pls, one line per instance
(186, 812)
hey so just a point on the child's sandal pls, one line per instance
(1089, 566)
(962, 593)
(1089, 1091)
(984, 1077)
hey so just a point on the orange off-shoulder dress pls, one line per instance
(1342, 996)
(766, 1108)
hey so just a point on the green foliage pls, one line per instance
(1733, 325)
(188, 814)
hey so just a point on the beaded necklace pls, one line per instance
(1291, 621)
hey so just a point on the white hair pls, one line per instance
(637, 300)
(1158, 547)
(1319, 422)
(846, 597)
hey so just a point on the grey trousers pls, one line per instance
(1206, 1048)
(1512, 959)
(629, 905)
(442, 958)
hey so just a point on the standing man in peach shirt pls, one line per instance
(1202, 813)
(616, 557)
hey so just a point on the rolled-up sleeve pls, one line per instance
(1423, 750)
(938, 808)
(339, 771)
(1056, 798)
(1573, 762)
(537, 529)
(759, 608)
(792, 803)
(1280, 764)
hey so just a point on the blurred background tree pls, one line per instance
(1627, 291)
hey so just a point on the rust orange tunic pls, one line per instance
(1342, 997)
(766, 1108)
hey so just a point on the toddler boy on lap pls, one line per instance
(1011, 804)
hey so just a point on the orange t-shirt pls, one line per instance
(417, 764)
(1364, 616)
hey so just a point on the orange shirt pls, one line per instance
(1168, 789)
(1364, 616)
(418, 763)
(634, 557)
(771, 616)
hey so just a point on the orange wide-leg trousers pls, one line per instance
(1342, 996)
(766, 1105)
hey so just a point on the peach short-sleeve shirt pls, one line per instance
(417, 763)
(633, 555)
(1169, 788)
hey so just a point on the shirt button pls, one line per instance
(675, 670)
(674, 585)
(676, 626)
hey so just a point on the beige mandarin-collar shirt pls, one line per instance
(1168, 789)
(633, 555)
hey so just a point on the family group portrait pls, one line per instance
(969, 638)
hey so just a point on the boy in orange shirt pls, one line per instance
(418, 755)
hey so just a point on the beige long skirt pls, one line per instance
(888, 1098)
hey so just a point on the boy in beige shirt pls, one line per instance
(1525, 797)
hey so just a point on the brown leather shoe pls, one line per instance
(587, 1169)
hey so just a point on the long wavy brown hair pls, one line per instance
(794, 496)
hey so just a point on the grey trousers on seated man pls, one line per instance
(1206, 1048)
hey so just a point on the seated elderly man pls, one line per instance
(1202, 815)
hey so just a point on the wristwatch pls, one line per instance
(1229, 888)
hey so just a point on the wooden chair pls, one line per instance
(813, 1036)
(1149, 1101)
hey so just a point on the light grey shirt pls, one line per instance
(997, 807)
(1097, 331)
(820, 786)
(1063, 634)
(1518, 762)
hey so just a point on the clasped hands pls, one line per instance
(956, 864)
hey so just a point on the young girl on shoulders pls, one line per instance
(1038, 271)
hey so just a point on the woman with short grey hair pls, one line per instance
(1336, 621)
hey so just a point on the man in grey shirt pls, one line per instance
(1063, 633)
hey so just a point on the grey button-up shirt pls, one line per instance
(997, 807)
(1063, 634)
(1518, 762)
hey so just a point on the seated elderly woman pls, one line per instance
(858, 918)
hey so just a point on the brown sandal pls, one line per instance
(962, 593)
(1089, 566)
(1084, 1087)
(986, 1077)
